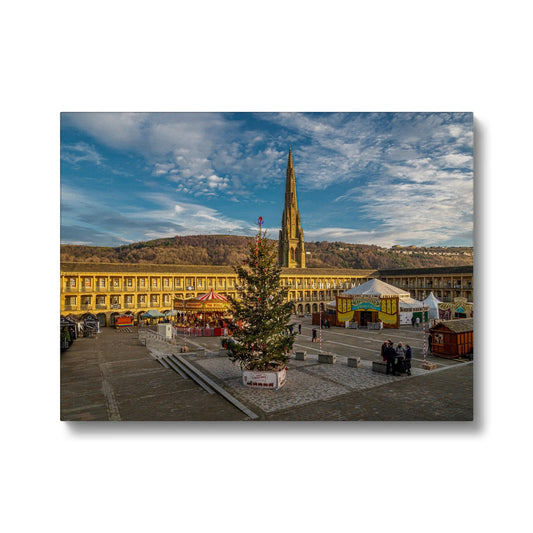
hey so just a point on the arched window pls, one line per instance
(292, 254)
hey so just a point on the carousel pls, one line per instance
(205, 315)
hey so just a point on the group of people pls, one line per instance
(398, 359)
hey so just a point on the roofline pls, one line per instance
(465, 269)
(74, 266)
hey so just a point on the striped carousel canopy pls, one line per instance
(212, 296)
(211, 301)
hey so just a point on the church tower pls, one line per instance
(291, 252)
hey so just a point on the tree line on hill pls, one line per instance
(231, 250)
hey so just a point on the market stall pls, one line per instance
(205, 315)
(459, 308)
(91, 325)
(453, 338)
(68, 332)
(153, 315)
(411, 309)
(372, 302)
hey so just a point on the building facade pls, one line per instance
(446, 283)
(111, 289)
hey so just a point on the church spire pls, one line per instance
(290, 183)
(291, 251)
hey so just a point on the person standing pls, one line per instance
(314, 339)
(299, 329)
(390, 355)
(384, 350)
(408, 357)
(400, 359)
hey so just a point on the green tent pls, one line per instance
(153, 313)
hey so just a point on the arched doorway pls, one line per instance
(138, 317)
(101, 319)
(112, 317)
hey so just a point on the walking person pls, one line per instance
(417, 321)
(408, 357)
(314, 339)
(299, 329)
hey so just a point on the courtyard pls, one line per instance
(116, 377)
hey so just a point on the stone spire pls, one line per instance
(291, 252)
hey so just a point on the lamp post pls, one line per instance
(320, 326)
(424, 331)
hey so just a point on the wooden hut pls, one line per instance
(453, 338)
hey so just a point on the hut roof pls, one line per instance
(459, 325)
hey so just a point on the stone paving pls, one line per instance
(114, 377)
(307, 381)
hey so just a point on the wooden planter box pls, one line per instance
(264, 380)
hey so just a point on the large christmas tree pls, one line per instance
(261, 311)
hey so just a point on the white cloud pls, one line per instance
(162, 169)
(457, 160)
(80, 152)
(216, 182)
(408, 174)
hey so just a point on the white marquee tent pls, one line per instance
(376, 287)
(433, 303)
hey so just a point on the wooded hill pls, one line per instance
(231, 250)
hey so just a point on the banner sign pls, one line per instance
(388, 308)
(344, 309)
(390, 311)
(365, 303)
(447, 310)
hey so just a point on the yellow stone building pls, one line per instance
(111, 289)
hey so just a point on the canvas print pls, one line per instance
(267, 266)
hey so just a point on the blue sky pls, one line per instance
(370, 178)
